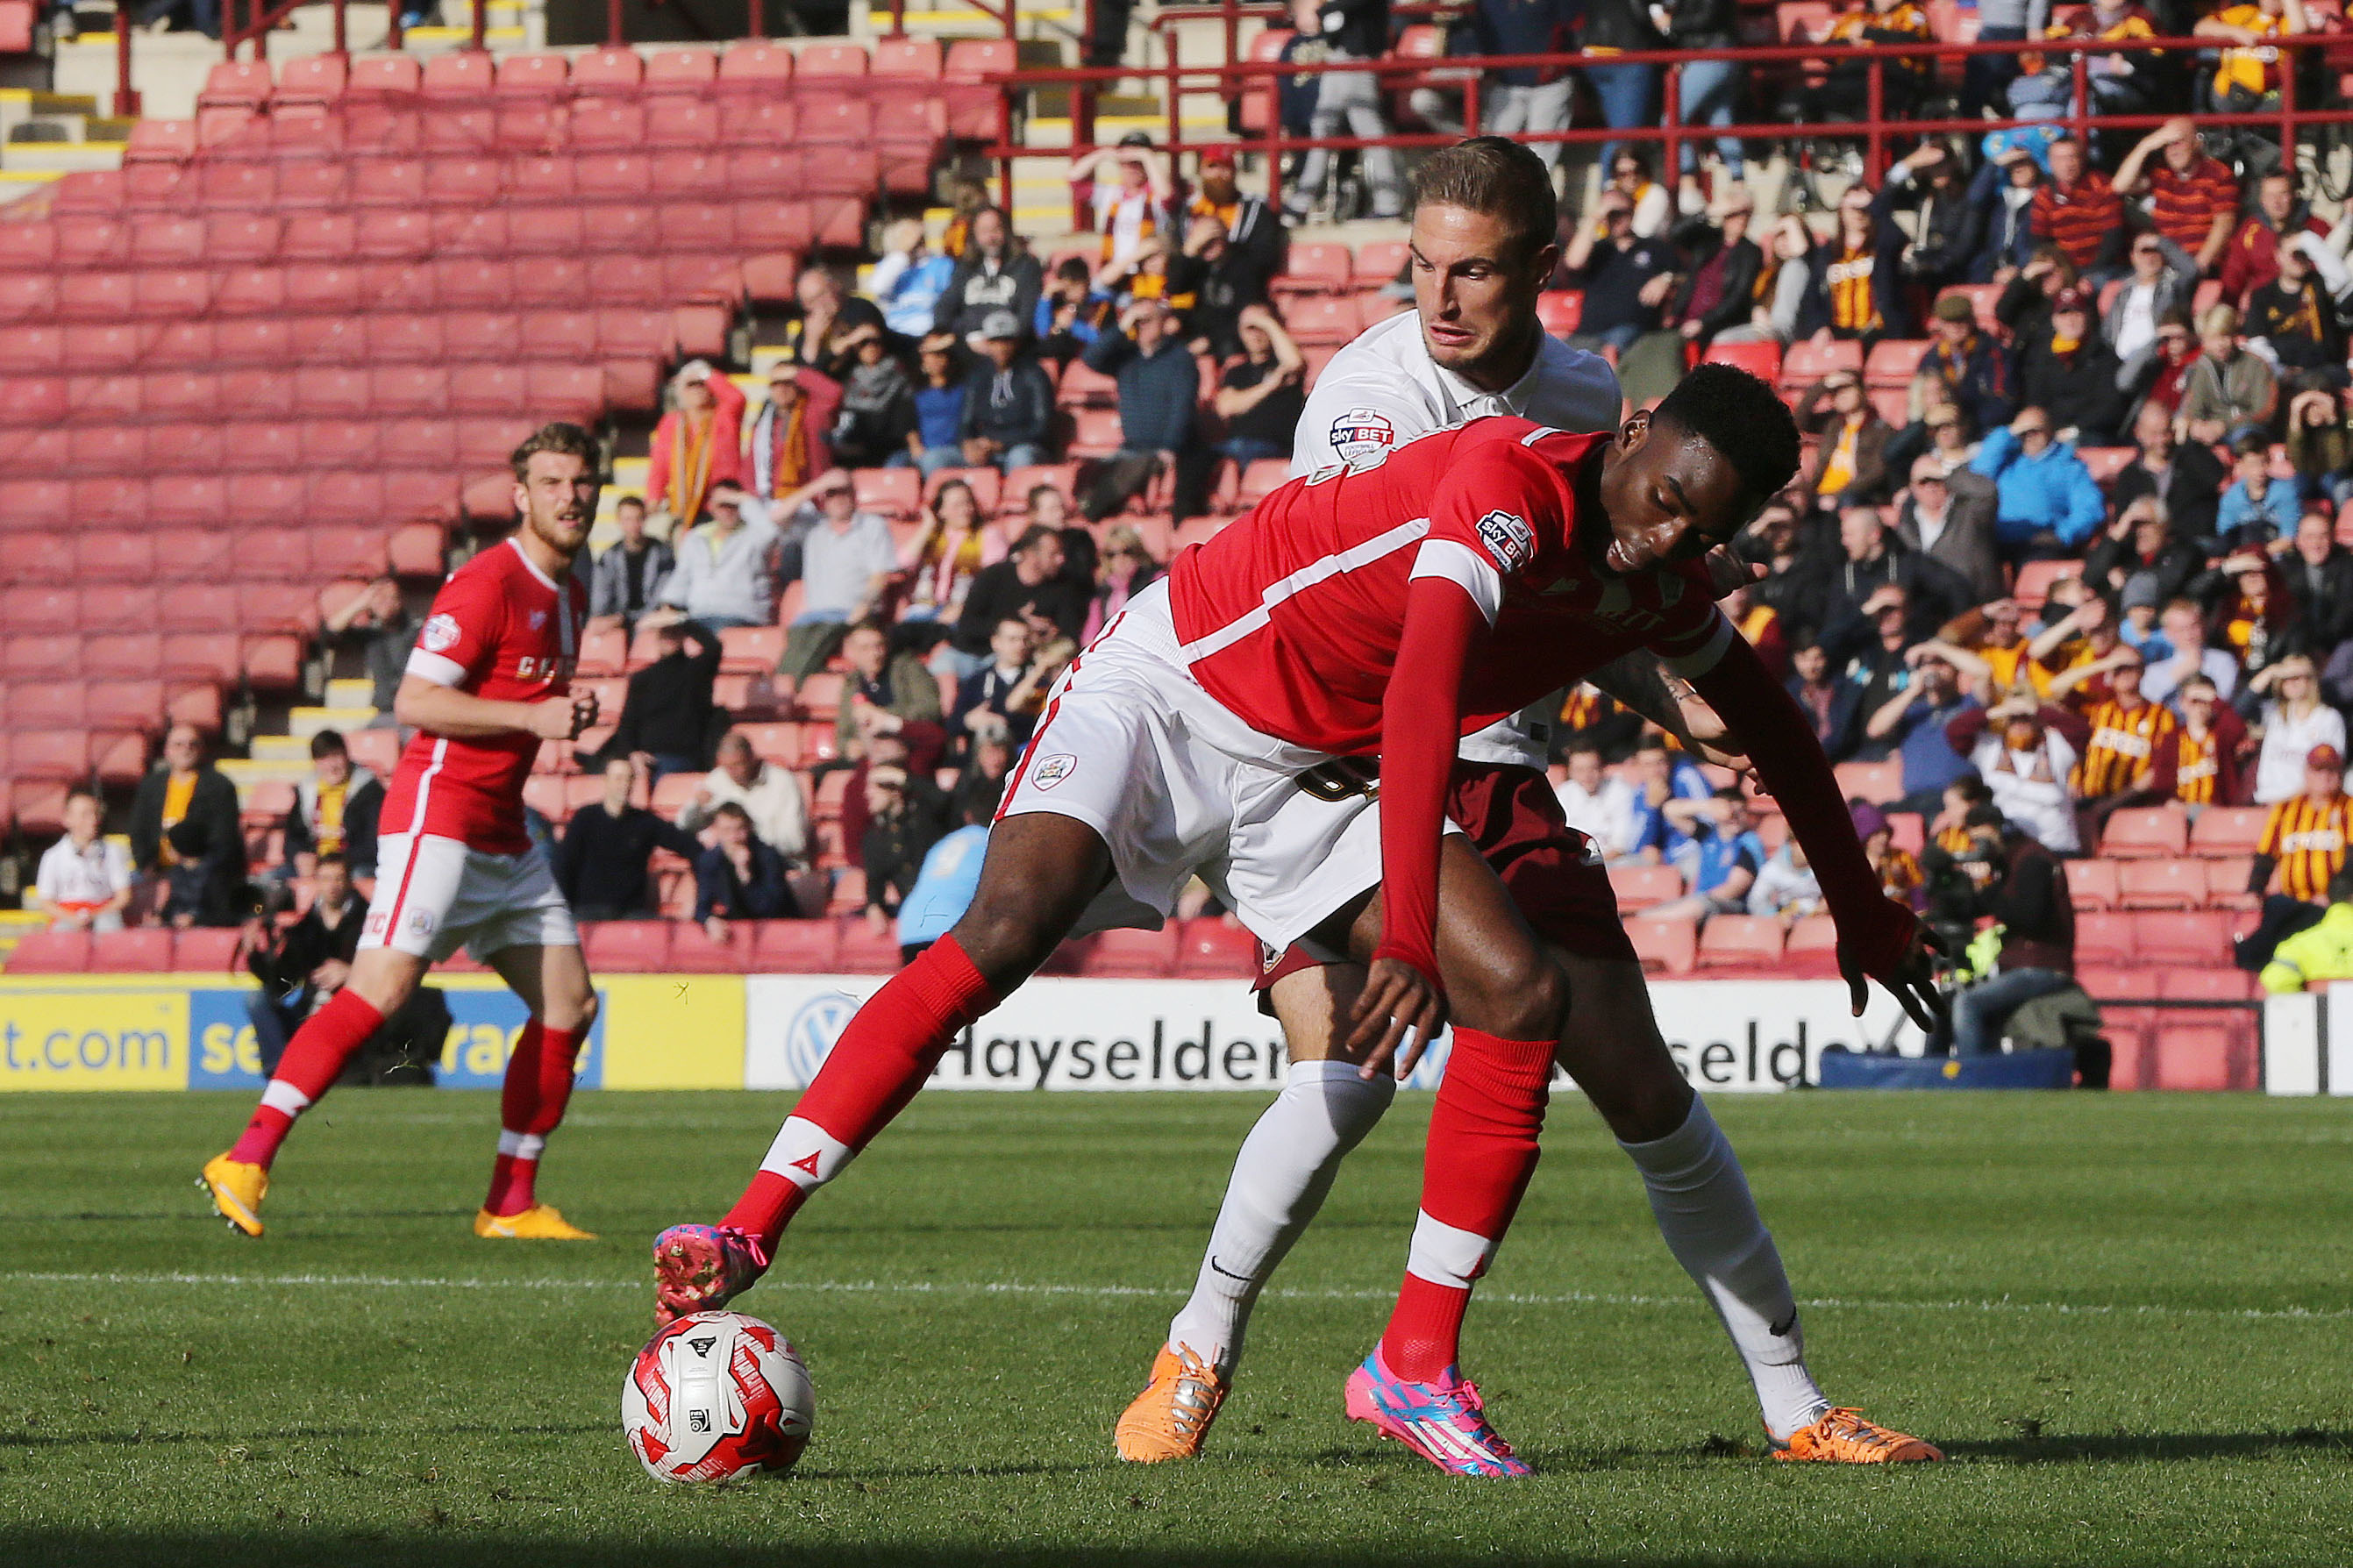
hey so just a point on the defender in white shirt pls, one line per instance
(1482, 236)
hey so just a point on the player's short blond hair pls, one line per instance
(557, 436)
(1498, 177)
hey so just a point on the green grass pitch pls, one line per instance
(2129, 1319)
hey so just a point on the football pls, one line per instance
(716, 1395)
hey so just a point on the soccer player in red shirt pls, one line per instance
(489, 679)
(1382, 608)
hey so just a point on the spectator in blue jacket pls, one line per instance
(2257, 508)
(1158, 385)
(2047, 504)
(937, 441)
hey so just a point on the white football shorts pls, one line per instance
(1179, 785)
(433, 894)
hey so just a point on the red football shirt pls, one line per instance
(1292, 616)
(500, 630)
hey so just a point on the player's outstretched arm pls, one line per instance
(445, 710)
(1877, 936)
(1420, 726)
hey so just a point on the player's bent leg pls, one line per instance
(1509, 1002)
(1281, 1177)
(1705, 1213)
(554, 984)
(382, 980)
(1041, 872)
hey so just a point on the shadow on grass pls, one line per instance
(2076, 1447)
(297, 1435)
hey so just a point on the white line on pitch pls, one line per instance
(1020, 1287)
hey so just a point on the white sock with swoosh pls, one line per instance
(1281, 1177)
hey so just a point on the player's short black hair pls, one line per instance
(1743, 417)
(1497, 176)
(328, 744)
(560, 435)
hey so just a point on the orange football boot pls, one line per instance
(1844, 1437)
(1170, 1419)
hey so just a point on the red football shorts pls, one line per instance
(1552, 871)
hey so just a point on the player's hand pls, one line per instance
(1398, 999)
(1910, 975)
(555, 718)
(1727, 571)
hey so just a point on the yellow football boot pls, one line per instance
(1844, 1437)
(237, 1190)
(1170, 1419)
(540, 1222)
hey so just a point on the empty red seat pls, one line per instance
(58, 754)
(2092, 884)
(1758, 359)
(386, 75)
(1330, 319)
(1637, 886)
(1811, 949)
(2160, 884)
(2195, 937)
(532, 76)
(2145, 832)
(795, 947)
(51, 952)
(693, 952)
(1134, 954)
(1875, 781)
(1806, 361)
(1671, 946)
(754, 66)
(237, 84)
(1892, 362)
(139, 951)
(1732, 941)
(2228, 829)
(2105, 939)
(313, 78)
(627, 947)
(608, 71)
(197, 951)
(1215, 949)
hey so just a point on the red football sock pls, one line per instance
(1480, 1152)
(314, 1057)
(538, 1087)
(874, 1069)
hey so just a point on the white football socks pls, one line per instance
(1710, 1223)
(1281, 1178)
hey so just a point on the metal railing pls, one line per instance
(1233, 79)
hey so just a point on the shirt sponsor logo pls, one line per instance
(1361, 433)
(440, 633)
(420, 922)
(1509, 540)
(1051, 771)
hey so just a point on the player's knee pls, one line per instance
(1515, 999)
(573, 1014)
(1006, 940)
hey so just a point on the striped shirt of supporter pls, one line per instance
(2182, 206)
(2309, 841)
(2122, 749)
(2198, 768)
(2078, 221)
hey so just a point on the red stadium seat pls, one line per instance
(1893, 363)
(2145, 832)
(2107, 462)
(2188, 937)
(864, 950)
(1084, 388)
(750, 650)
(1810, 951)
(627, 947)
(795, 947)
(691, 951)
(1807, 363)
(1878, 782)
(2191, 984)
(139, 951)
(1094, 432)
(2228, 829)
(1762, 360)
(2092, 884)
(2105, 939)
(681, 70)
(1637, 886)
(1561, 310)
(51, 952)
(1379, 262)
(1133, 954)
(2160, 884)
(197, 951)
(608, 71)
(2035, 579)
(1333, 319)
(1671, 946)
(1739, 941)
(1213, 949)
(314, 79)
(1314, 268)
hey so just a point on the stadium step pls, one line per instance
(352, 693)
(288, 749)
(305, 723)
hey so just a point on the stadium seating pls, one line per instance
(332, 302)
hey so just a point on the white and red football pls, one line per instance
(716, 1395)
